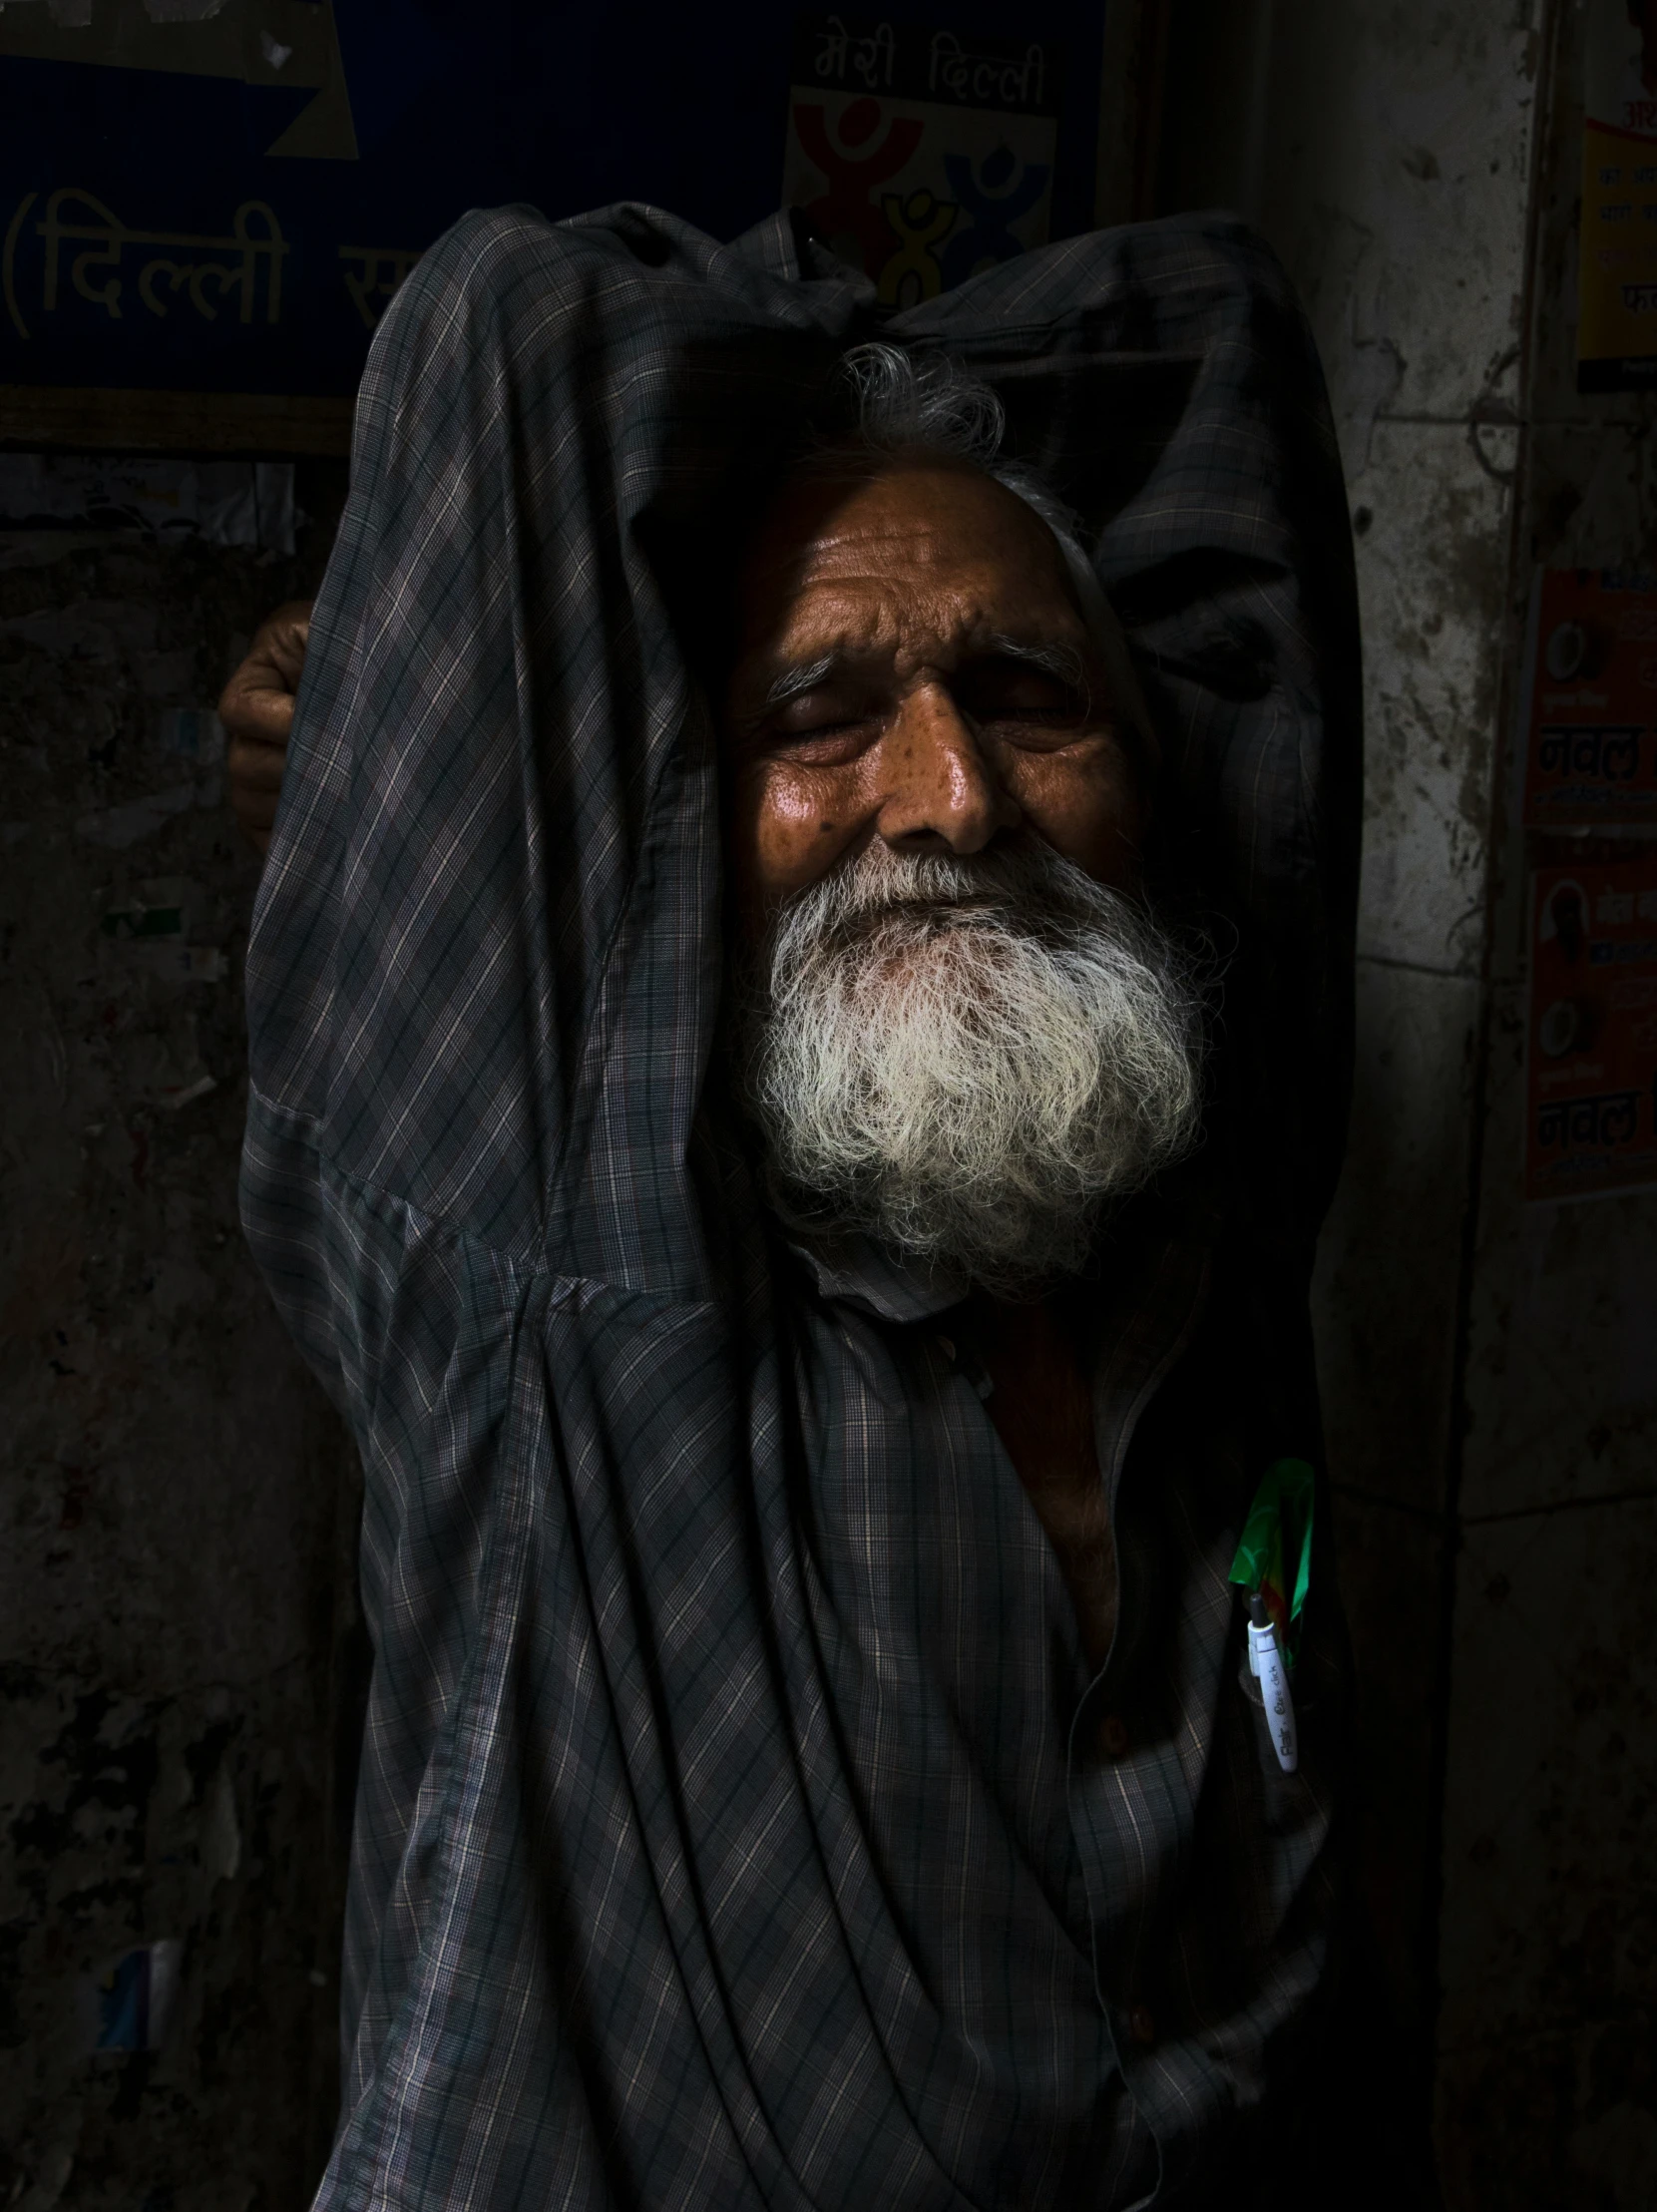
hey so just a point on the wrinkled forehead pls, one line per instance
(850, 548)
(947, 543)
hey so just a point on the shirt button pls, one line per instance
(1113, 1736)
(1140, 2024)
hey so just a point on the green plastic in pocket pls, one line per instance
(1275, 1555)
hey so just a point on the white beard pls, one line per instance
(964, 1057)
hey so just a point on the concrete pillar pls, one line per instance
(1489, 1368)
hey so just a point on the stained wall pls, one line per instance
(175, 1577)
(1490, 1367)
(1547, 2033)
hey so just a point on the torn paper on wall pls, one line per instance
(117, 827)
(195, 732)
(224, 503)
(154, 928)
(129, 2004)
(160, 906)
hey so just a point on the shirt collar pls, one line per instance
(852, 1269)
(857, 1272)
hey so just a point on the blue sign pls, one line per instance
(220, 195)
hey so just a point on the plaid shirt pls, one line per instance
(739, 1823)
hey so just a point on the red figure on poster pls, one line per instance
(847, 214)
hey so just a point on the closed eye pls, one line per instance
(828, 723)
(1004, 688)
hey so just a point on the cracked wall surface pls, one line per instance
(1393, 179)
(1490, 1367)
(174, 1585)
(1548, 2088)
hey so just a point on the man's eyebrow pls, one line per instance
(1057, 659)
(1062, 660)
(790, 682)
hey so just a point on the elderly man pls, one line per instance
(731, 1126)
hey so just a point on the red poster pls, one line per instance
(1590, 736)
(1591, 1088)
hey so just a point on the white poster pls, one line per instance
(920, 156)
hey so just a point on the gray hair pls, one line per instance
(889, 403)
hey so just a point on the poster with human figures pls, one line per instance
(921, 154)
(1591, 1086)
(207, 206)
(1589, 724)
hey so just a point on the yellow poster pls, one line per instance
(1616, 343)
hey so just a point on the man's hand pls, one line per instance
(257, 712)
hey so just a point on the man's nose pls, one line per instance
(936, 782)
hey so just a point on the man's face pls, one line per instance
(912, 668)
(956, 1030)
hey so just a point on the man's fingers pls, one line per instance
(257, 714)
(258, 700)
(256, 709)
(256, 782)
(255, 766)
(276, 657)
(281, 637)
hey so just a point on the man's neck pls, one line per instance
(1043, 1408)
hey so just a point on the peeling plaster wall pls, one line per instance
(1398, 191)
(179, 1507)
(1392, 179)
(1548, 2090)
(1489, 1368)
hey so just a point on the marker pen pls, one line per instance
(1267, 1663)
